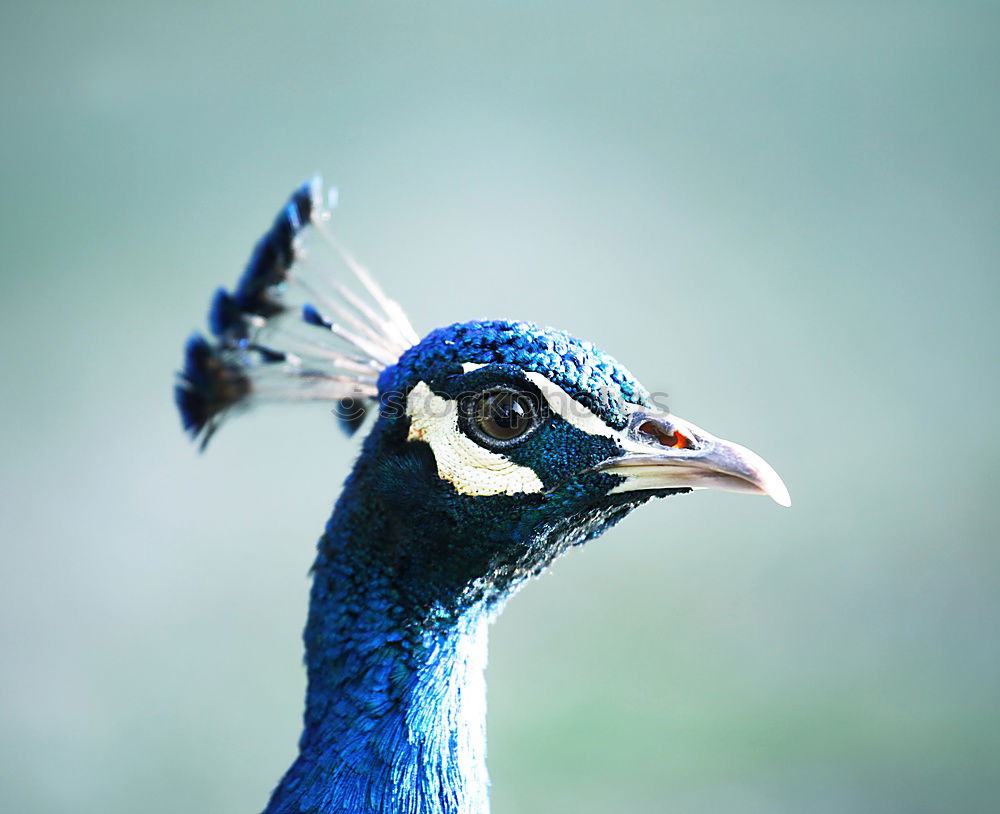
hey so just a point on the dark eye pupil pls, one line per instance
(503, 415)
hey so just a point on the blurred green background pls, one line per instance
(784, 214)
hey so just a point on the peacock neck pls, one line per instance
(395, 706)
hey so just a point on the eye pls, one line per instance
(500, 417)
(503, 415)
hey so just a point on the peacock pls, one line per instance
(495, 446)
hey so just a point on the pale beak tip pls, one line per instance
(778, 492)
(761, 475)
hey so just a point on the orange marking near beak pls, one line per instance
(674, 440)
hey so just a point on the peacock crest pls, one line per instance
(292, 330)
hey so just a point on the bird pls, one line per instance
(494, 447)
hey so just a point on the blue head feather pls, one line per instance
(274, 254)
(207, 387)
(350, 414)
(311, 316)
(226, 319)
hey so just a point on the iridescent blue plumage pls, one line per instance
(497, 446)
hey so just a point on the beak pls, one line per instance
(663, 451)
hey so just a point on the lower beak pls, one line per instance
(663, 451)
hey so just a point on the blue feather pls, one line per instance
(225, 317)
(207, 387)
(311, 316)
(274, 254)
(351, 415)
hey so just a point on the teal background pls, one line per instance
(783, 214)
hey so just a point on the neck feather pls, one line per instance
(395, 706)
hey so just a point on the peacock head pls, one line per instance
(509, 443)
(497, 444)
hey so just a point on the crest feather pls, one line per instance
(291, 330)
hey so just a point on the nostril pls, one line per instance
(667, 438)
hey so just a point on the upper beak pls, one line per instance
(663, 451)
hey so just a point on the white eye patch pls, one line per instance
(470, 468)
